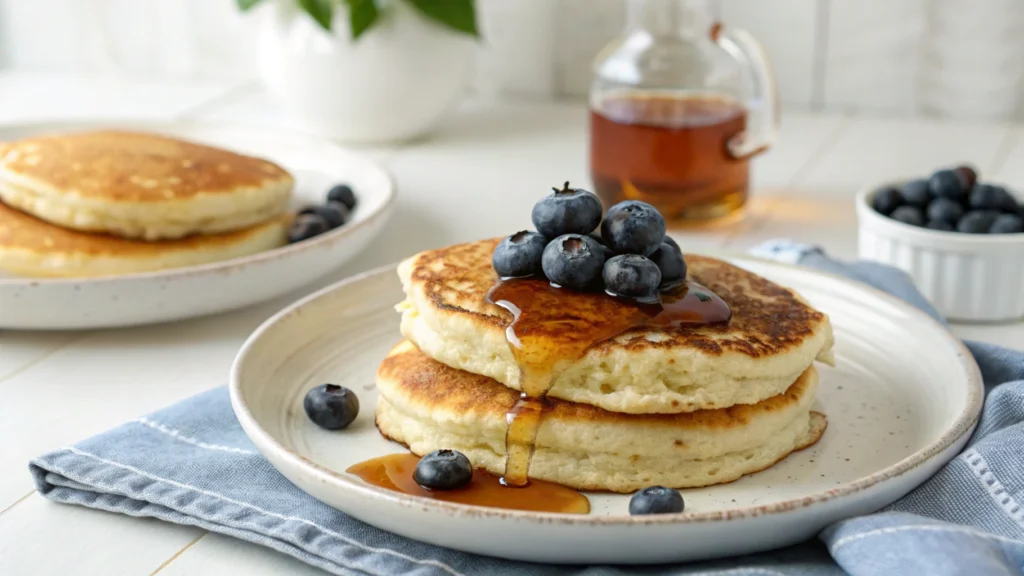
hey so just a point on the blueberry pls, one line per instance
(908, 215)
(986, 197)
(343, 194)
(305, 227)
(916, 193)
(633, 276)
(968, 176)
(573, 261)
(1007, 224)
(670, 241)
(1007, 203)
(443, 470)
(567, 211)
(886, 200)
(633, 227)
(334, 214)
(331, 407)
(656, 500)
(977, 221)
(945, 210)
(946, 184)
(940, 225)
(519, 255)
(669, 259)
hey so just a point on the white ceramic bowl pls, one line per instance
(967, 277)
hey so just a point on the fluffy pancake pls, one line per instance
(138, 185)
(428, 406)
(31, 247)
(772, 338)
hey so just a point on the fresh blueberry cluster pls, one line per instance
(315, 220)
(630, 257)
(953, 200)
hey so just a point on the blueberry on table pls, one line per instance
(333, 213)
(443, 470)
(908, 215)
(656, 500)
(669, 259)
(946, 184)
(941, 225)
(342, 193)
(306, 226)
(573, 261)
(917, 193)
(977, 221)
(944, 210)
(632, 276)
(886, 200)
(519, 255)
(567, 211)
(633, 227)
(330, 406)
(968, 176)
(1007, 224)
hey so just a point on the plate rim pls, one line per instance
(963, 424)
(155, 124)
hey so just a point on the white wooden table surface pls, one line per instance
(477, 177)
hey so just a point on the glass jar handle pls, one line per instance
(763, 108)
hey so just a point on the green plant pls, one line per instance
(459, 15)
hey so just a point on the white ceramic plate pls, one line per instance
(29, 303)
(902, 400)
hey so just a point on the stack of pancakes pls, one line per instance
(109, 202)
(672, 406)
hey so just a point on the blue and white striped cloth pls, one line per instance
(192, 464)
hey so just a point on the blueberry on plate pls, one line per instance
(968, 175)
(944, 210)
(330, 406)
(908, 215)
(656, 500)
(343, 194)
(567, 211)
(306, 226)
(573, 261)
(443, 470)
(633, 227)
(669, 259)
(977, 221)
(886, 200)
(1007, 224)
(946, 184)
(334, 214)
(941, 225)
(917, 193)
(632, 276)
(519, 255)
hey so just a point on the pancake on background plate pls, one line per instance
(428, 406)
(137, 185)
(32, 247)
(772, 338)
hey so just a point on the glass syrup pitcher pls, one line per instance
(679, 105)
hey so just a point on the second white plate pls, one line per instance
(901, 401)
(28, 303)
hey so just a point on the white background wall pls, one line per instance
(961, 58)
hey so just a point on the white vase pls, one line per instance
(392, 84)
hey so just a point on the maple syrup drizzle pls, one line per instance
(552, 327)
(394, 472)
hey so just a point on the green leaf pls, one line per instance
(244, 5)
(320, 10)
(361, 15)
(459, 15)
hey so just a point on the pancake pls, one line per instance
(31, 247)
(772, 338)
(427, 406)
(138, 185)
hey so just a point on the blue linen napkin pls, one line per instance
(192, 464)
